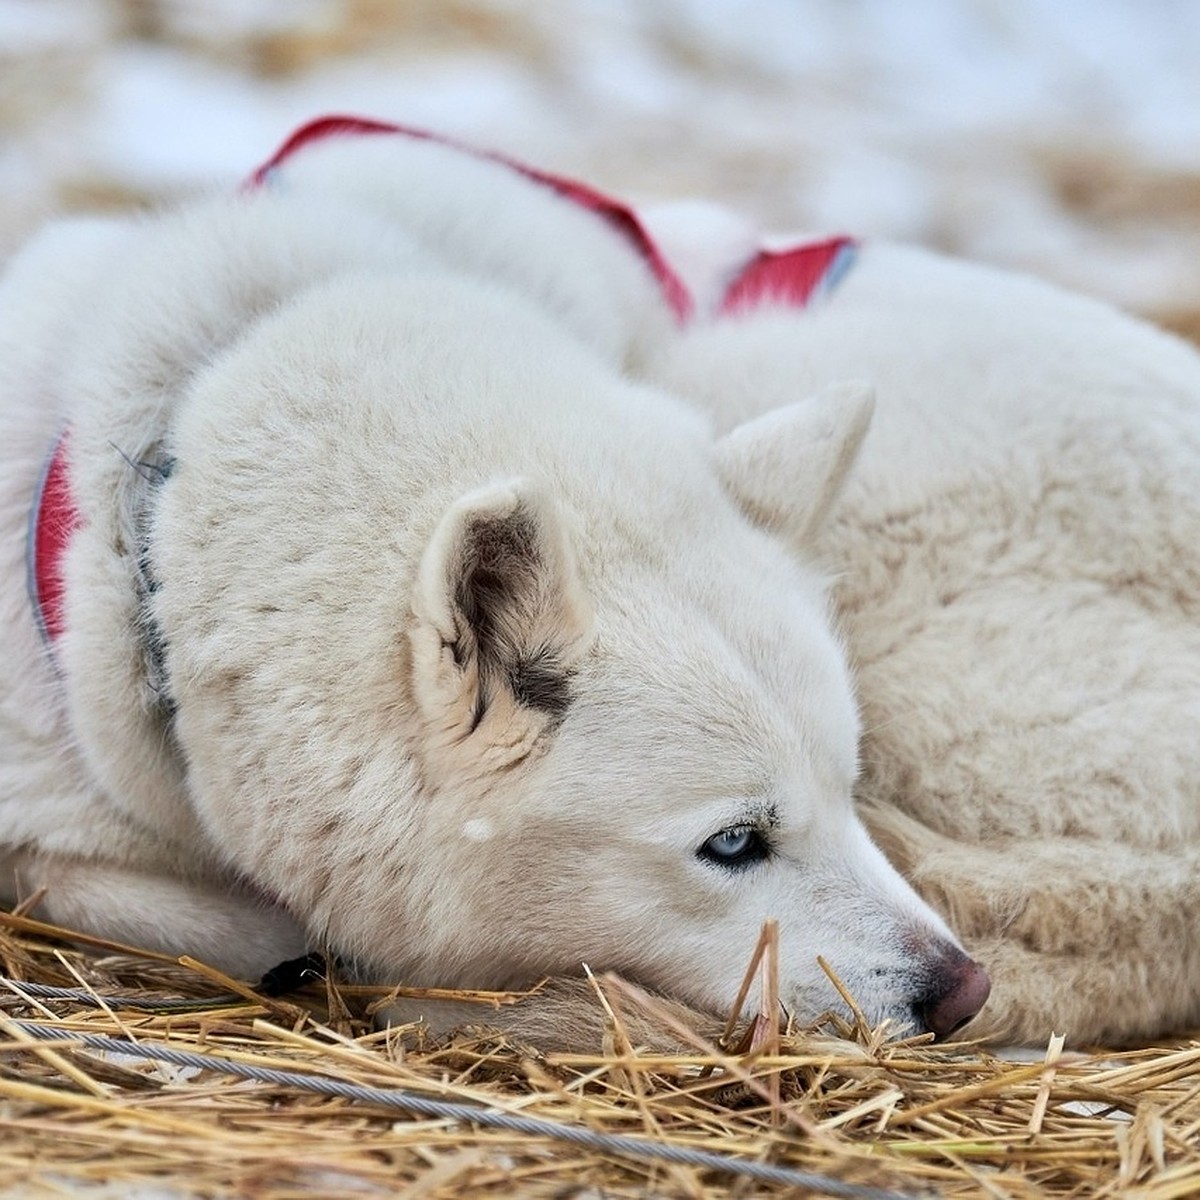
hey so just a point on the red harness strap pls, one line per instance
(618, 214)
(792, 278)
(52, 521)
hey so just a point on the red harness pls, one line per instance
(52, 521)
(617, 214)
(792, 277)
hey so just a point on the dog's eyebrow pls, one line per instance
(762, 814)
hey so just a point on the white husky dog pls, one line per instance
(389, 601)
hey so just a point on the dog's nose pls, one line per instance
(957, 991)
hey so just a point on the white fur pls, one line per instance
(427, 565)
(1019, 585)
(476, 633)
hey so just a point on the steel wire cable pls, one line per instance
(488, 1118)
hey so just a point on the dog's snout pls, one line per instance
(957, 990)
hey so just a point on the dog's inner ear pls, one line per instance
(501, 620)
(786, 468)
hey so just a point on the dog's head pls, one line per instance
(488, 663)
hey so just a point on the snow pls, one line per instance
(27, 26)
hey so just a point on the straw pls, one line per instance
(130, 1072)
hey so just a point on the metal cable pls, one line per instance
(45, 991)
(487, 1118)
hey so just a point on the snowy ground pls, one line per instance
(1061, 136)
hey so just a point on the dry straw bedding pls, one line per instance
(841, 1101)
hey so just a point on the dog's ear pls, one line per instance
(501, 619)
(787, 467)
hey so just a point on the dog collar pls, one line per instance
(52, 520)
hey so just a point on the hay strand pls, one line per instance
(129, 1071)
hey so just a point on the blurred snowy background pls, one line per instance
(1060, 136)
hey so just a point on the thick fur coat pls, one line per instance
(439, 595)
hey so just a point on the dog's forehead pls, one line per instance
(761, 709)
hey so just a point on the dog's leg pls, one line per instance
(241, 933)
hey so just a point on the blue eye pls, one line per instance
(739, 847)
